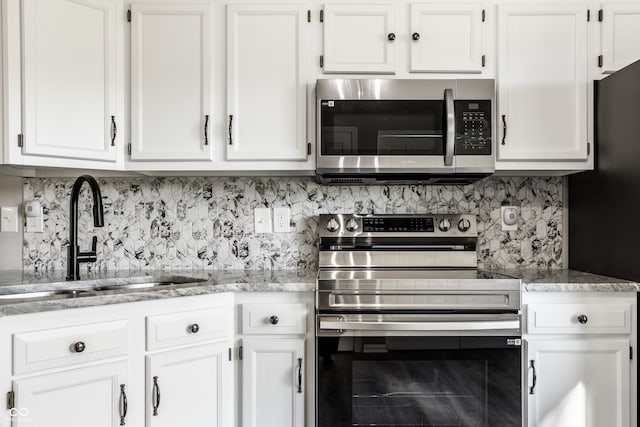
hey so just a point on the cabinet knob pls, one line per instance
(415, 36)
(391, 37)
(583, 319)
(79, 347)
(194, 328)
(274, 320)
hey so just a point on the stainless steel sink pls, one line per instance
(55, 294)
(147, 285)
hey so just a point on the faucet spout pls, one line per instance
(74, 256)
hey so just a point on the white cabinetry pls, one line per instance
(63, 92)
(171, 76)
(578, 368)
(620, 35)
(542, 87)
(267, 85)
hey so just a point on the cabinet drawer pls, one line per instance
(274, 318)
(169, 330)
(579, 318)
(54, 348)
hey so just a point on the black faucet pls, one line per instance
(74, 256)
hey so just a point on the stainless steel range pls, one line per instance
(409, 332)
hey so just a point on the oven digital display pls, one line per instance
(398, 224)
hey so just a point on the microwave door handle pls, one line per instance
(450, 138)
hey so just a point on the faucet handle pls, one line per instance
(94, 244)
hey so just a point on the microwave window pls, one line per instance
(381, 128)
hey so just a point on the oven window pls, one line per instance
(418, 381)
(381, 128)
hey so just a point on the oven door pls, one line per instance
(420, 370)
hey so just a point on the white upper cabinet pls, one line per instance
(446, 37)
(69, 85)
(266, 82)
(542, 85)
(171, 75)
(360, 38)
(620, 35)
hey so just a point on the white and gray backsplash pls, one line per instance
(207, 222)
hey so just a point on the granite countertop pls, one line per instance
(565, 280)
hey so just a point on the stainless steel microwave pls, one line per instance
(375, 131)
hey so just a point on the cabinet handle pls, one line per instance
(535, 377)
(79, 347)
(583, 319)
(300, 375)
(230, 129)
(123, 407)
(206, 129)
(274, 320)
(504, 129)
(391, 37)
(155, 398)
(194, 328)
(114, 131)
(415, 37)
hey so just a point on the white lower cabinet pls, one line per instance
(190, 387)
(578, 369)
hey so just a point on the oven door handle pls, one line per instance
(487, 325)
(451, 127)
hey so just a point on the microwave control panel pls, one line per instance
(473, 127)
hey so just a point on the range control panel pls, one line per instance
(383, 224)
(473, 127)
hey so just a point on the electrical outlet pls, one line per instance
(262, 220)
(9, 219)
(281, 220)
(35, 224)
(509, 218)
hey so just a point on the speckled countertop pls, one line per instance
(14, 282)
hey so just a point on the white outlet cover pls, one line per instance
(509, 218)
(281, 220)
(262, 220)
(35, 221)
(9, 219)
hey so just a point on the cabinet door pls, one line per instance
(578, 382)
(542, 85)
(620, 35)
(171, 74)
(272, 388)
(190, 387)
(358, 38)
(90, 396)
(69, 79)
(266, 82)
(446, 37)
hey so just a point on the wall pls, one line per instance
(11, 243)
(207, 223)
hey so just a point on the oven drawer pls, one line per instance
(190, 327)
(289, 318)
(59, 347)
(591, 318)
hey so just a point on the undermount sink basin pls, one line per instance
(146, 285)
(42, 295)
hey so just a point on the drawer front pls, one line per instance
(274, 318)
(59, 347)
(579, 318)
(189, 327)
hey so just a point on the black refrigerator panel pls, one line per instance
(604, 204)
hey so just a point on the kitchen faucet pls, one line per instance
(74, 256)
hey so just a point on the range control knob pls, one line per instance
(332, 225)
(444, 225)
(352, 225)
(464, 224)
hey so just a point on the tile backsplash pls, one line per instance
(207, 222)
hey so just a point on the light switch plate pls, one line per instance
(509, 218)
(281, 220)
(262, 220)
(9, 219)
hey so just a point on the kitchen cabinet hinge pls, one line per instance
(630, 353)
(240, 353)
(484, 60)
(321, 61)
(230, 354)
(20, 140)
(600, 15)
(484, 15)
(308, 148)
(588, 148)
(129, 148)
(11, 400)
(322, 15)
(129, 15)
(600, 61)
(308, 16)
(588, 15)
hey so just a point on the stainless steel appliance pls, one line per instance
(376, 131)
(409, 332)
